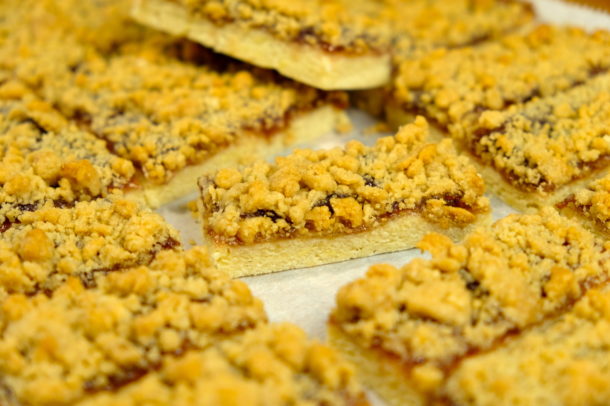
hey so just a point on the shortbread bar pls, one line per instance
(44, 158)
(562, 362)
(316, 207)
(537, 153)
(409, 328)
(451, 86)
(176, 332)
(48, 245)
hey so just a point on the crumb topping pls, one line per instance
(450, 84)
(564, 362)
(177, 331)
(51, 244)
(592, 201)
(343, 190)
(547, 142)
(44, 158)
(468, 296)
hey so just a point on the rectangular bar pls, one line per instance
(316, 207)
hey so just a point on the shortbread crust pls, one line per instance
(50, 244)
(177, 331)
(314, 202)
(418, 322)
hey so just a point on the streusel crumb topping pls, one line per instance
(563, 362)
(343, 190)
(45, 158)
(592, 201)
(177, 330)
(450, 84)
(547, 142)
(432, 312)
(51, 244)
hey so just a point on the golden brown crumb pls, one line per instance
(175, 332)
(46, 159)
(592, 202)
(51, 244)
(469, 296)
(451, 84)
(343, 190)
(548, 142)
(562, 362)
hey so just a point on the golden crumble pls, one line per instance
(50, 244)
(44, 158)
(343, 190)
(562, 362)
(177, 331)
(433, 312)
(450, 84)
(592, 201)
(548, 142)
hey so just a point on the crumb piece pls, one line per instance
(343, 190)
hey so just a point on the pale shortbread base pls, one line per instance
(303, 128)
(387, 376)
(399, 233)
(304, 63)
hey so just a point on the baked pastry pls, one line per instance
(175, 332)
(561, 362)
(316, 207)
(302, 40)
(408, 329)
(451, 86)
(46, 159)
(336, 44)
(44, 247)
(536, 153)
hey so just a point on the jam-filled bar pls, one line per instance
(408, 328)
(316, 207)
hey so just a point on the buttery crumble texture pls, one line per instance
(548, 142)
(44, 158)
(593, 202)
(343, 190)
(176, 332)
(431, 313)
(51, 244)
(563, 362)
(450, 84)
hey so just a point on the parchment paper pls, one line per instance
(306, 296)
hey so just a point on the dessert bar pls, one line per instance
(316, 207)
(409, 328)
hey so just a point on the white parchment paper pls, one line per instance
(306, 296)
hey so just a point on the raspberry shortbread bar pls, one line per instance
(175, 332)
(409, 328)
(537, 153)
(316, 207)
(44, 247)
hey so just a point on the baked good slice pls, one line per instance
(175, 332)
(408, 328)
(46, 159)
(334, 44)
(561, 362)
(316, 207)
(44, 247)
(453, 86)
(537, 153)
